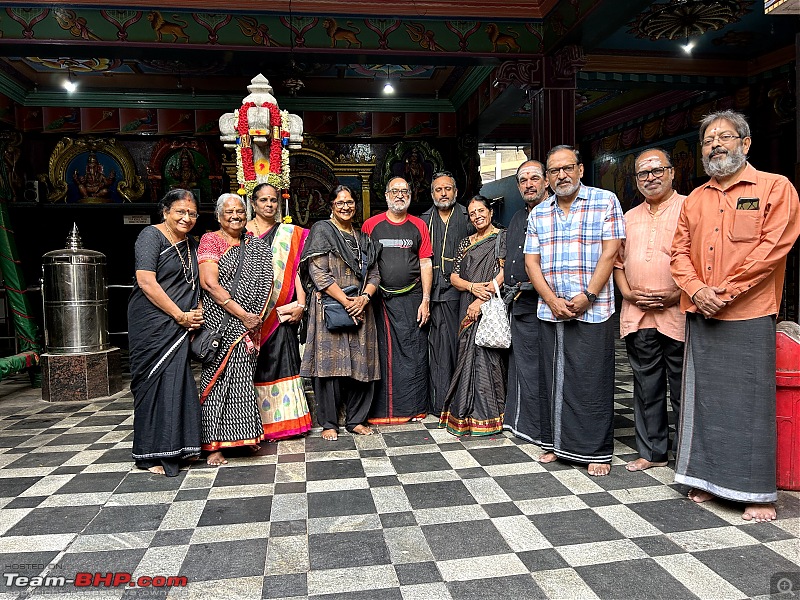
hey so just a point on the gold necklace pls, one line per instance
(188, 272)
(258, 229)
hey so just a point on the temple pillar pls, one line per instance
(553, 104)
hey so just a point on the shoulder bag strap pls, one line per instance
(235, 284)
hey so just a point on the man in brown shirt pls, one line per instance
(729, 258)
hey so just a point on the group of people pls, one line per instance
(697, 275)
(701, 279)
(240, 281)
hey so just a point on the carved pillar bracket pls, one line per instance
(568, 61)
(526, 74)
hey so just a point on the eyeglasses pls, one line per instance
(344, 203)
(724, 138)
(180, 213)
(399, 192)
(658, 173)
(568, 169)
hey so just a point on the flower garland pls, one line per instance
(277, 167)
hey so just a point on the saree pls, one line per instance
(279, 387)
(166, 413)
(475, 401)
(230, 415)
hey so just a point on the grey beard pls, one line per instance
(444, 205)
(567, 191)
(398, 210)
(726, 166)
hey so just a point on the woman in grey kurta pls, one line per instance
(343, 364)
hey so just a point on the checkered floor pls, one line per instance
(411, 513)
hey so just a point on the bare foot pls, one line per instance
(641, 464)
(157, 469)
(547, 457)
(599, 469)
(699, 495)
(759, 513)
(330, 434)
(216, 459)
(362, 430)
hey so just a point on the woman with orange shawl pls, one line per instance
(279, 387)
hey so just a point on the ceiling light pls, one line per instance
(69, 84)
(688, 47)
(388, 88)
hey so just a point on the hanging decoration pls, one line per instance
(275, 169)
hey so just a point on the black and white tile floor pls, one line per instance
(412, 513)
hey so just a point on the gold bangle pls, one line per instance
(226, 301)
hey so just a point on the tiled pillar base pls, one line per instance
(81, 377)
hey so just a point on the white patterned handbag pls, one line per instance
(493, 330)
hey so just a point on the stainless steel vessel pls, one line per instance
(75, 299)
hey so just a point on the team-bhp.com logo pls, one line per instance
(96, 580)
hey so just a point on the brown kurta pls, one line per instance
(340, 354)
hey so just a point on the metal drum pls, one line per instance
(75, 299)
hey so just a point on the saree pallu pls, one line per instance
(230, 409)
(166, 414)
(727, 438)
(475, 402)
(279, 387)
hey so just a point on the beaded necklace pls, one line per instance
(188, 272)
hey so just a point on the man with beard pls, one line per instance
(523, 414)
(651, 322)
(403, 308)
(572, 241)
(729, 258)
(448, 224)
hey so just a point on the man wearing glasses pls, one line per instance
(651, 322)
(572, 241)
(729, 258)
(448, 224)
(402, 308)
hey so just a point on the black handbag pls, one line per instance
(334, 313)
(205, 343)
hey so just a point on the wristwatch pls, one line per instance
(367, 295)
(592, 297)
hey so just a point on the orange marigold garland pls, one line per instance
(277, 167)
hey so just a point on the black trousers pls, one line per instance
(656, 361)
(330, 392)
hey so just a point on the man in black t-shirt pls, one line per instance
(403, 308)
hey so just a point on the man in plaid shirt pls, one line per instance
(571, 243)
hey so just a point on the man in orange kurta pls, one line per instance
(651, 322)
(729, 258)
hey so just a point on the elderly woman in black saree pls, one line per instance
(475, 402)
(343, 364)
(162, 311)
(230, 416)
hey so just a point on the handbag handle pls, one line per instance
(497, 289)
